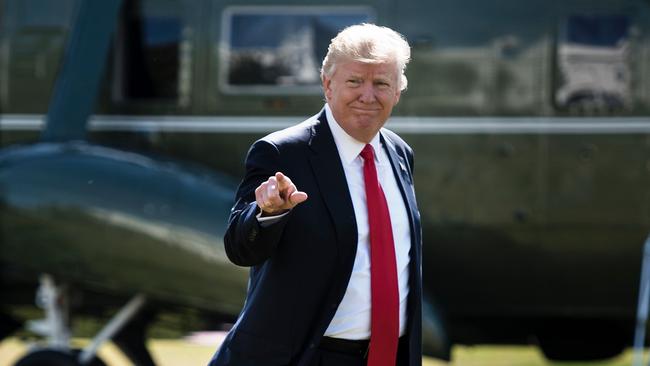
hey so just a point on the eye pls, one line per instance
(382, 84)
(353, 82)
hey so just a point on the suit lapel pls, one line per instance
(405, 183)
(333, 186)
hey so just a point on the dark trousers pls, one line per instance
(329, 357)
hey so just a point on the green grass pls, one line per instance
(165, 352)
(517, 356)
(181, 353)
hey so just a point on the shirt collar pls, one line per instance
(349, 147)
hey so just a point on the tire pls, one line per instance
(55, 357)
(573, 350)
(586, 340)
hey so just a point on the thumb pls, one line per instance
(297, 197)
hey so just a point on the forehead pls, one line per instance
(384, 69)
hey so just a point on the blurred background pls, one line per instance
(124, 126)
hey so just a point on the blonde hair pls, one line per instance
(368, 43)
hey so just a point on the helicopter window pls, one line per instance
(577, 57)
(152, 52)
(278, 50)
(32, 36)
(593, 63)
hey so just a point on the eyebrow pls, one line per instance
(359, 76)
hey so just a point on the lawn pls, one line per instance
(181, 352)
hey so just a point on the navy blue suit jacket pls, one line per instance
(301, 265)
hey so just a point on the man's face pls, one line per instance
(362, 96)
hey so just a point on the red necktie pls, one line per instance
(384, 321)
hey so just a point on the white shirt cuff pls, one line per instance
(269, 220)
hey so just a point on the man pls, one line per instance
(326, 218)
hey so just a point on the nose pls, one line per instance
(367, 93)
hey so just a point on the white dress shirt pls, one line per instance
(352, 319)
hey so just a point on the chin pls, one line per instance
(366, 120)
(367, 126)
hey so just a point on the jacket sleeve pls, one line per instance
(246, 242)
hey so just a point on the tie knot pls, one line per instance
(367, 153)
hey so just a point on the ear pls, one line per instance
(397, 95)
(327, 87)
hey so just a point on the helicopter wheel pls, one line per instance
(55, 357)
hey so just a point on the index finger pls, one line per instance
(282, 180)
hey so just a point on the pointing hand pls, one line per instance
(278, 195)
